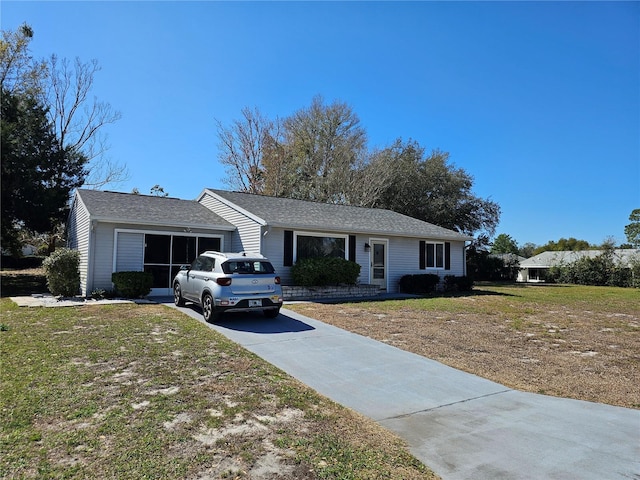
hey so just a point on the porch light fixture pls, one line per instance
(367, 247)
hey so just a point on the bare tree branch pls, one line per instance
(241, 150)
(79, 120)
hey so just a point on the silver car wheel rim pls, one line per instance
(207, 307)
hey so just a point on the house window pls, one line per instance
(311, 245)
(435, 255)
(536, 274)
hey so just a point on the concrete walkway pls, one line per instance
(460, 425)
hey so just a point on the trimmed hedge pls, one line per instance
(323, 271)
(132, 284)
(419, 284)
(62, 272)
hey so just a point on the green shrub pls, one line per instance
(599, 270)
(634, 266)
(62, 272)
(620, 277)
(323, 271)
(457, 284)
(419, 284)
(132, 284)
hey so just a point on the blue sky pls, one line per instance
(538, 101)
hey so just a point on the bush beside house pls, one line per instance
(132, 284)
(419, 284)
(63, 272)
(324, 271)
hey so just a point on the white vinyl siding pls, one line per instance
(79, 238)
(404, 259)
(103, 256)
(248, 236)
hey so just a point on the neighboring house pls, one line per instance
(534, 269)
(118, 232)
(509, 259)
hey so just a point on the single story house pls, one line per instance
(129, 232)
(534, 269)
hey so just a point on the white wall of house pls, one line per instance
(403, 257)
(248, 236)
(79, 238)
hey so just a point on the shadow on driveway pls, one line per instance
(256, 322)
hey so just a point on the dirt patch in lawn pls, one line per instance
(587, 350)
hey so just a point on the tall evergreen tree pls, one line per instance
(37, 172)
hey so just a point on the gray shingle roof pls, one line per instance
(291, 213)
(556, 258)
(149, 210)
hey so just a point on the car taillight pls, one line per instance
(223, 281)
(277, 280)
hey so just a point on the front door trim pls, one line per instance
(384, 282)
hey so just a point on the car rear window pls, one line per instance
(247, 267)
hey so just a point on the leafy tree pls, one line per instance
(319, 154)
(564, 244)
(632, 231)
(322, 145)
(19, 72)
(483, 266)
(38, 173)
(527, 250)
(504, 244)
(429, 188)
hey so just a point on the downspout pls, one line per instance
(464, 258)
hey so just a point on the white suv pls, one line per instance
(229, 282)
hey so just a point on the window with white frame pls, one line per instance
(434, 255)
(313, 245)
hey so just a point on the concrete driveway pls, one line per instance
(460, 425)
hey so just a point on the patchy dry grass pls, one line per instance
(133, 391)
(562, 340)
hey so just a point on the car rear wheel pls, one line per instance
(209, 310)
(273, 313)
(177, 295)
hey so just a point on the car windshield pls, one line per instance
(247, 267)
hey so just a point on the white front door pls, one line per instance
(378, 257)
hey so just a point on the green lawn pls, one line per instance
(133, 391)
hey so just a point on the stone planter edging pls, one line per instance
(294, 293)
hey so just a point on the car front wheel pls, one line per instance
(208, 309)
(177, 295)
